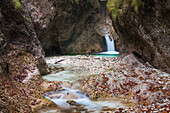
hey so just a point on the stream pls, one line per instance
(71, 99)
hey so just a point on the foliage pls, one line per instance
(113, 6)
(135, 4)
(17, 4)
(27, 18)
(77, 1)
(118, 7)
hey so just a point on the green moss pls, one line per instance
(26, 18)
(92, 75)
(77, 1)
(135, 4)
(17, 4)
(118, 7)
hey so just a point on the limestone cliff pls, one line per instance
(19, 33)
(67, 26)
(144, 30)
(20, 58)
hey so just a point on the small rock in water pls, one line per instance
(70, 96)
(71, 102)
(109, 109)
(53, 96)
(81, 109)
(76, 104)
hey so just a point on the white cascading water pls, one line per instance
(81, 99)
(110, 43)
(110, 46)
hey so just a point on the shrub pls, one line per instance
(17, 4)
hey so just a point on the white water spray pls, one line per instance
(110, 46)
(110, 43)
(81, 98)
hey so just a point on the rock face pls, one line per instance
(18, 32)
(144, 31)
(67, 26)
(20, 57)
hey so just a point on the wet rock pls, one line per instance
(50, 86)
(109, 109)
(76, 84)
(81, 108)
(66, 85)
(42, 66)
(43, 108)
(53, 96)
(56, 69)
(71, 102)
(70, 96)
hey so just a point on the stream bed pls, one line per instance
(70, 99)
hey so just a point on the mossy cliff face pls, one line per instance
(144, 30)
(67, 26)
(20, 57)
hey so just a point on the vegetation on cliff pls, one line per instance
(17, 4)
(119, 7)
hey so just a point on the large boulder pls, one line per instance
(144, 30)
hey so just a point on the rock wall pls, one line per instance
(19, 33)
(67, 26)
(144, 30)
(21, 55)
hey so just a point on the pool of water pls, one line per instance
(102, 54)
(65, 76)
(106, 55)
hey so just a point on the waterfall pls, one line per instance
(110, 43)
(110, 46)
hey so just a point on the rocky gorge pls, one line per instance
(61, 31)
(143, 30)
(33, 29)
(143, 87)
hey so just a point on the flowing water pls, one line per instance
(110, 46)
(72, 99)
(68, 99)
(110, 43)
(62, 97)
